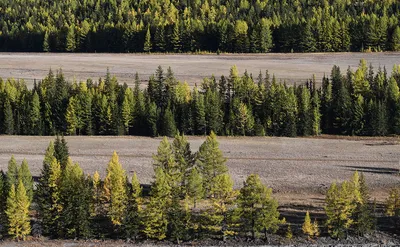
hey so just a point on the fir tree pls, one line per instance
(18, 212)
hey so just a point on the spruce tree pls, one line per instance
(210, 162)
(24, 174)
(178, 217)
(18, 212)
(115, 191)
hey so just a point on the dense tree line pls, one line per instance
(66, 203)
(199, 25)
(361, 102)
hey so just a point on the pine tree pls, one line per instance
(133, 219)
(155, 218)
(177, 219)
(35, 115)
(198, 113)
(210, 162)
(12, 172)
(308, 42)
(339, 209)
(126, 112)
(258, 211)
(167, 124)
(48, 196)
(175, 39)
(24, 174)
(195, 186)
(115, 190)
(396, 39)
(310, 229)
(3, 203)
(363, 216)
(218, 220)
(18, 212)
(8, 118)
(46, 42)
(147, 42)
(71, 39)
(289, 233)
(70, 117)
(75, 198)
(184, 160)
(159, 38)
(61, 152)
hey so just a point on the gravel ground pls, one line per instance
(190, 68)
(296, 168)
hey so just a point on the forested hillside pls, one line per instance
(361, 102)
(199, 25)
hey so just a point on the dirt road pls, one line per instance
(190, 68)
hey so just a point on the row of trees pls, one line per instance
(361, 102)
(191, 197)
(199, 25)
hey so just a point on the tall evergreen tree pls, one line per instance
(210, 162)
(133, 218)
(24, 174)
(18, 212)
(115, 191)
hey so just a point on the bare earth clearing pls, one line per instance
(190, 68)
(299, 170)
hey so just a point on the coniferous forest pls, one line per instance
(192, 197)
(256, 26)
(361, 102)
